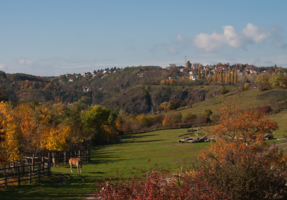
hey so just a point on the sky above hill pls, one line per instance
(57, 37)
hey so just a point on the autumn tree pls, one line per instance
(99, 121)
(188, 65)
(239, 161)
(9, 146)
(199, 77)
(166, 121)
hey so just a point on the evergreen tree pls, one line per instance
(199, 75)
(235, 77)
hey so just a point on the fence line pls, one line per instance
(20, 172)
(63, 156)
(174, 126)
(36, 165)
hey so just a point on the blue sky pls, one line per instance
(66, 36)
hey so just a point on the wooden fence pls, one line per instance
(174, 126)
(21, 172)
(63, 156)
(36, 165)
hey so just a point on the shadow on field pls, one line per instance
(53, 188)
(133, 136)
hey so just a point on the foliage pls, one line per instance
(207, 114)
(166, 121)
(187, 116)
(9, 147)
(96, 119)
(246, 86)
(224, 91)
(264, 109)
(154, 185)
(239, 161)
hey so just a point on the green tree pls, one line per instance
(96, 118)
(207, 114)
(188, 65)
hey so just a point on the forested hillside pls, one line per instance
(136, 89)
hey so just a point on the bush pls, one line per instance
(252, 179)
(188, 116)
(154, 185)
(264, 109)
(246, 86)
(224, 91)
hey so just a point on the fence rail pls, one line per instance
(20, 172)
(174, 126)
(63, 156)
(36, 165)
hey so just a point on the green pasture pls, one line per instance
(243, 99)
(127, 158)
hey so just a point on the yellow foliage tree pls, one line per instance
(166, 121)
(9, 147)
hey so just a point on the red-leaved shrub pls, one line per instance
(264, 109)
(156, 185)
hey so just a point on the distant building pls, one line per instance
(196, 65)
(183, 70)
(172, 65)
(193, 77)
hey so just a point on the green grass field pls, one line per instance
(134, 152)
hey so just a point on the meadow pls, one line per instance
(126, 158)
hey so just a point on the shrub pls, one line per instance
(264, 109)
(246, 86)
(166, 121)
(224, 91)
(176, 117)
(154, 185)
(239, 162)
(188, 116)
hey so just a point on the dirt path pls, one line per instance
(278, 145)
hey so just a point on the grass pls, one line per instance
(134, 152)
(243, 99)
(281, 119)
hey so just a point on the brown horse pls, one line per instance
(77, 162)
(55, 160)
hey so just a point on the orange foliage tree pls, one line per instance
(30, 128)
(240, 161)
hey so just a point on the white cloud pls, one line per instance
(2, 66)
(232, 38)
(257, 34)
(25, 62)
(180, 37)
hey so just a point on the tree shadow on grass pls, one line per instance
(134, 136)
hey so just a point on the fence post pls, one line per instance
(65, 157)
(49, 156)
(39, 172)
(19, 175)
(30, 174)
(43, 167)
(79, 154)
(87, 158)
(5, 177)
(49, 169)
(33, 162)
